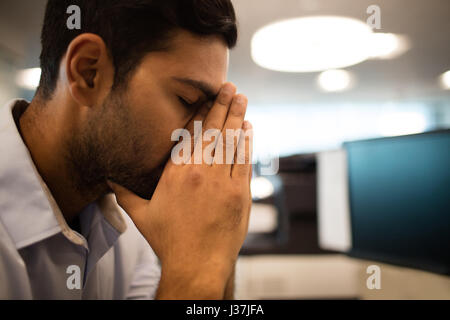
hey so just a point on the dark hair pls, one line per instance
(130, 29)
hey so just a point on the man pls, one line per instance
(111, 95)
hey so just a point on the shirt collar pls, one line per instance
(27, 209)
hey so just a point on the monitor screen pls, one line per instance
(399, 196)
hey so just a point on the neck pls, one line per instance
(44, 129)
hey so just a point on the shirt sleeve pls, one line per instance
(146, 276)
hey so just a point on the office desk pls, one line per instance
(332, 276)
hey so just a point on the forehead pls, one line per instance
(198, 58)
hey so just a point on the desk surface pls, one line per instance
(332, 276)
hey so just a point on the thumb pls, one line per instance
(128, 200)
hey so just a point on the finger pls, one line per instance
(241, 168)
(216, 118)
(250, 176)
(227, 145)
(130, 202)
(183, 149)
(194, 124)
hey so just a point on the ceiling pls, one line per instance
(411, 76)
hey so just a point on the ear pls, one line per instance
(89, 70)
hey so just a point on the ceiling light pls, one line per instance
(445, 80)
(335, 80)
(311, 44)
(387, 45)
(29, 78)
(319, 43)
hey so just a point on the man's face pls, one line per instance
(128, 138)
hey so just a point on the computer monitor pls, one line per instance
(399, 200)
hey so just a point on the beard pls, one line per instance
(110, 147)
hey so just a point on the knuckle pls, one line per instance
(230, 142)
(235, 199)
(241, 100)
(212, 125)
(242, 157)
(236, 194)
(194, 176)
(237, 110)
(226, 94)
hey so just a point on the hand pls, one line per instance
(197, 219)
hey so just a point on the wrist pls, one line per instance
(200, 286)
(199, 282)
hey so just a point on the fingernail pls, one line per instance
(227, 89)
(240, 99)
(226, 94)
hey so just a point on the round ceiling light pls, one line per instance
(315, 43)
(335, 80)
(445, 80)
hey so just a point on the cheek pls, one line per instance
(156, 117)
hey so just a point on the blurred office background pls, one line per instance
(317, 76)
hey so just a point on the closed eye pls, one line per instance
(188, 105)
(185, 103)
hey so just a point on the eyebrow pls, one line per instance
(204, 87)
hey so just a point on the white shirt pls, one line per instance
(41, 257)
